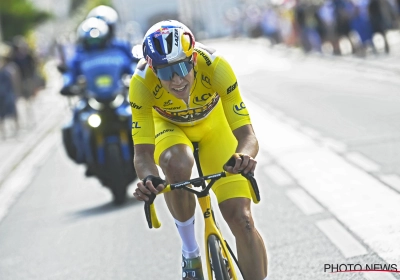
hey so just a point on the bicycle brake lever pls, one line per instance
(231, 162)
(249, 176)
(149, 210)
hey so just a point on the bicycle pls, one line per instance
(218, 252)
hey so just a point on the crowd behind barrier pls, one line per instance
(319, 26)
(20, 77)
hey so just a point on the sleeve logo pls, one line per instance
(157, 91)
(231, 88)
(205, 81)
(240, 109)
(135, 106)
(135, 125)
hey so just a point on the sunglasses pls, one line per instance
(181, 68)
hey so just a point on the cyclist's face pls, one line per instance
(180, 87)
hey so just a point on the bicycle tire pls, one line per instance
(216, 258)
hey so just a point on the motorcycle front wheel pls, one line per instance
(115, 167)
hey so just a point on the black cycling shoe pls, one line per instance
(192, 269)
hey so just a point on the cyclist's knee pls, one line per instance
(241, 224)
(238, 216)
(177, 162)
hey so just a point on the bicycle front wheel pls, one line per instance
(216, 258)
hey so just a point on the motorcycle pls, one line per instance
(100, 137)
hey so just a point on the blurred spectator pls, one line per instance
(382, 17)
(252, 20)
(7, 95)
(287, 24)
(361, 27)
(394, 13)
(270, 24)
(31, 80)
(306, 25)
(233, 18)
(343, 14)
(13, 69)
(326, 18)
(398, 11)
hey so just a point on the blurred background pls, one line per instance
(322, 81)
(337, 26)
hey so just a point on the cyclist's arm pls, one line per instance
(143, 136)
(247, 140)
(238, 118)
(246, 150)
(144, 160)
(145, 166)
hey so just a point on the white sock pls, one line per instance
(190, 248)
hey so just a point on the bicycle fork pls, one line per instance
(211, 228)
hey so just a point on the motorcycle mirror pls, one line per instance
(62, 68)
(81, 80)
(126, 79)
(137, 52)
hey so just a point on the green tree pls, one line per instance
(93, 3)
(80, 8)
(18, 17)
(87, 5)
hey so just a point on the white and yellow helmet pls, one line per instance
(167, 42)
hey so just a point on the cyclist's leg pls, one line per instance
(174, 154)
(234, 198)
(176, 163)
(251, 250)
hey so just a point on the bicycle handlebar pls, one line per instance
(150, 211)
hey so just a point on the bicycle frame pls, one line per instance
(210, 226)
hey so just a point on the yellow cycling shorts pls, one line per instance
(216, 145)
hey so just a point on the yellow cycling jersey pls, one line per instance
(214, 82)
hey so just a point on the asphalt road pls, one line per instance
(327, 131)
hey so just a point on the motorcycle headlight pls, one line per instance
(94, 120)
(95, 104)
(119, 99)
(128, 110)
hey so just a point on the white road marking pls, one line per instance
(343, 240)
(392, 180)
(334, 145)
(311, 132)
(366, 206)
(293, 122)
(276, 174)
(363, 162)
(20, 178)
(305, 202)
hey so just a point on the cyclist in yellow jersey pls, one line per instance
(184, 92)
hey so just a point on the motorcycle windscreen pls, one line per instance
(103, 72)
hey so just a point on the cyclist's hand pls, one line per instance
(150, 185)
(240, 163)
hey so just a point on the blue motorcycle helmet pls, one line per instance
(168, 48)
(93, 33)
(106, 13)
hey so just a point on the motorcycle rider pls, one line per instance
(110, 16)
(100, 63)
